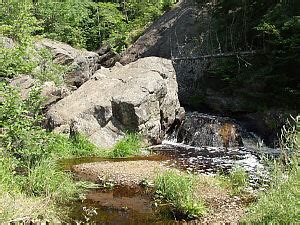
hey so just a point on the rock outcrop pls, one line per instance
(172, 35)
(183, 32)
(83, 63)
(49, 91)
(108, 57)
(140, 97)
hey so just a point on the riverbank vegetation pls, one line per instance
(28, 163)
(179, 191)
(280, 202)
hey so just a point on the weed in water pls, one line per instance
(179, 191)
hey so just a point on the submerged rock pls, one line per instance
(139, 97)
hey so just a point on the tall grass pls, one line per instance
(128, 146)
(280, 203)
(61, 146)
(178, 190)
(46, 179)
(236, 181)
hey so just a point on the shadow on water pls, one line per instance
(121, 205)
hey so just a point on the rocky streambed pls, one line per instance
(126, 196)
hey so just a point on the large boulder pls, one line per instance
(83, 63)
(139, 97)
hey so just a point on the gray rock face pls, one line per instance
(6, 42)
(183, 32)
(201, 130)
(140, 97)
(172, 35)
(49, 90)
(83, 63)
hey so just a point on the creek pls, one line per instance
(203, 143)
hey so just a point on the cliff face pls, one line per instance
(183, 33)
(179, 33)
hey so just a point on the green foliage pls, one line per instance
(47, 70)
(16, 60)
(21, 136)
(46, 179)
(88, 23)
(60, 146)
(280, 203)
(128, 146)
(63, 20)
(236, 181)
(21, 57)
(179, 191)
(271, 27)
(17, 21)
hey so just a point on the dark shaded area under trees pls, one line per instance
(272, 27)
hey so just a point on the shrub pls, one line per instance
(179, 191)
(128, 146)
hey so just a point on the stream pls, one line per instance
(204, 144)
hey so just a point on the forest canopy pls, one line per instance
(81, 23)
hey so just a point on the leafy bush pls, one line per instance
(179, 191)
(21, 136)
(128, 146)
(18, 23)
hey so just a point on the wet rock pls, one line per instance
(199, 129)
(139, 97)
(83, 63)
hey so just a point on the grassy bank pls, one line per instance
(179, 192)
(32, 184)
(280, 203)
